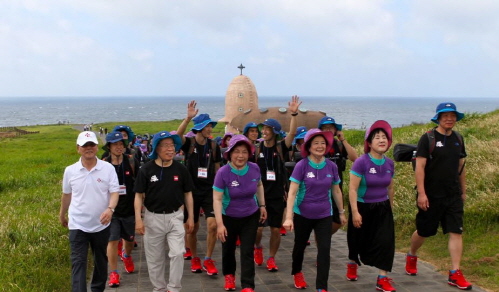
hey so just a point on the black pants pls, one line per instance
(79, 242)
(245, 228)
(323, 228)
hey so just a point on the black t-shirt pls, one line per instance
(201, 156)
(126, 176)
(164, 187)
(442, 169)
(269, 160)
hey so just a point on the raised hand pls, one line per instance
(192, 111)
(294, 104)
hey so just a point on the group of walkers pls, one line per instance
(246, 187)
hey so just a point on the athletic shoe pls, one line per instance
(230, 283)
(238, 241)
(352, 271)
(457, 279)
(283, 231)
(187, 254)
(209, 267)
(258, 255)
(248, 290)
(385, 284)
(271, 266)
(196, 265)
(321, 290)
(299, 281)
(114, 279)
(127, 262)
(411, 265)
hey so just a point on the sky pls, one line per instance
(401, 48)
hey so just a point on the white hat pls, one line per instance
(85, 137)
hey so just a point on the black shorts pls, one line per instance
(122, 227)
(275, 213)
(446, 211)
(202, 199)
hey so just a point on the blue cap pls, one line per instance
(329, 120)
(113, 137)
(127, 129)
(163, 135)
(202, 121)
(249, 126)
(446, 107)
(300, 133)
(274, 124)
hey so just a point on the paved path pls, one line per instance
(428, 279)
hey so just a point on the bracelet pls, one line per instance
(342, 212)
(262, 206)
(294, 114)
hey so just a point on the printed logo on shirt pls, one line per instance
(310, 175)
(175, 178)
(261, 155)
(154, 178)
(127, 173)
(439, 144)
(195, 150)
(253, 179)
(234, 184)
(328, 175)
(99, 180)
(372, 170)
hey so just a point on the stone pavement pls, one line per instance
(428, 278)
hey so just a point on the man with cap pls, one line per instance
(203, 157)
(441, 187)
(163, 187)
(271, 155)
(123, 221)
(252, 132)
(89, 197)
(339, 153)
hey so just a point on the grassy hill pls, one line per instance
(35, 247)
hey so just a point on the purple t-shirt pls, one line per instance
(239, 189)
(313, 199)
(376, 175)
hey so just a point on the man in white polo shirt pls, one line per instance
(90, 194)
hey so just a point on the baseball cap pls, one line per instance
(85, 137)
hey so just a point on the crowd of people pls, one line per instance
(159, 186)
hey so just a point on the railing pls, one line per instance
(15, 131)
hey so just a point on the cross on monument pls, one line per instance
(241, 67)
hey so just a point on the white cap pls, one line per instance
(85, 137)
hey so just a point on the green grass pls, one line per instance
(35, 246)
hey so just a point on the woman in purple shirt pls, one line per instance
(309, 205)
(239, 205)
(371, 233)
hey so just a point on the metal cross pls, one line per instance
(241, 67)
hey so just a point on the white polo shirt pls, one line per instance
(90, 192)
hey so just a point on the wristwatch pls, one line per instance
(112, 209)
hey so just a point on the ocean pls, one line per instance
(352, 112)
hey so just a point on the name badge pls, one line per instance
(270, 175)
(203, 172)
(122, 190)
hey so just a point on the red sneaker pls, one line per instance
(196, 265)
(299, 281)
(230, 283)
(248, 290)
(127, 262)
(209, 267)
(238, 241)
(411, 265)
(114, 279)
(271, 266)
(187, 254)
(385, 284)
(258, 255)
(457, 279)
(352, 271)
(283, 231)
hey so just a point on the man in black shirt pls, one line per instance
(441, 187)
(203, 157)
(163, 187)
